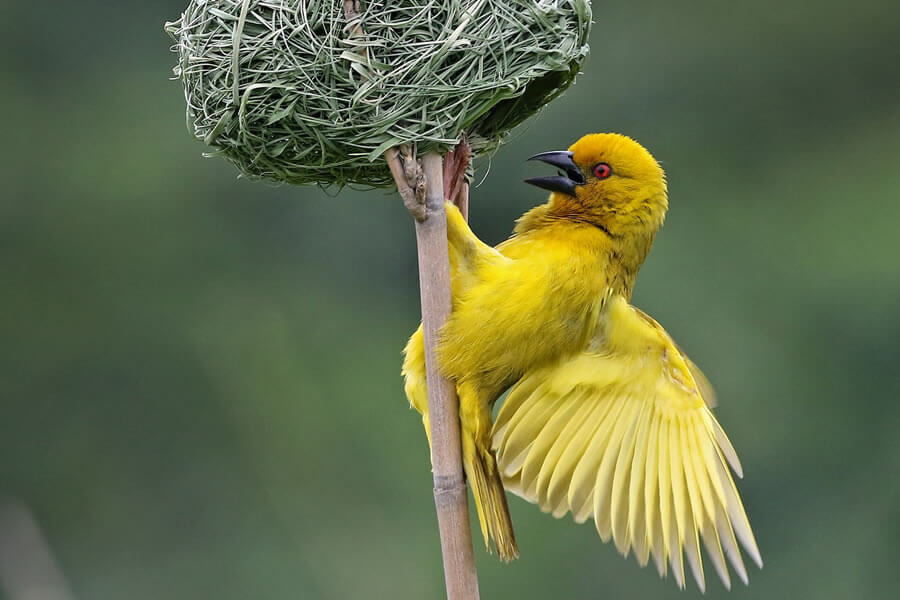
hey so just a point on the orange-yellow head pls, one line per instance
(610, 180)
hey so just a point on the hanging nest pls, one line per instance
(290, 90)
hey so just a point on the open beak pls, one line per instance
(558, 183)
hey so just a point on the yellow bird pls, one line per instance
(606, 417)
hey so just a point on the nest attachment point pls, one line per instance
(293, 91)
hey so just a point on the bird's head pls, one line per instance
(609, 179)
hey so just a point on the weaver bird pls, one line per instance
(606, 417)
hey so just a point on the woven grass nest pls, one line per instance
(294, 91)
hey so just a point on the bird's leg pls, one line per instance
(456, 163)
(449, 173)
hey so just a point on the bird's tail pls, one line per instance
(490, 497)
(478, 459)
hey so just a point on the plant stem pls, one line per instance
(450, 497)
(450, 493)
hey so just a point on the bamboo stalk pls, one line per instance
(450, 495)
(425, 201)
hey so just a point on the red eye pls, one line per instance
(602, 170)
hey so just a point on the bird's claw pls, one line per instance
(414, 194)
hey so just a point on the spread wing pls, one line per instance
(620, 433)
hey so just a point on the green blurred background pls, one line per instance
(200, 375)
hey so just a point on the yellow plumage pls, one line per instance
(606, 417)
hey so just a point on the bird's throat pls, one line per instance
(621, 253)
(625, 259)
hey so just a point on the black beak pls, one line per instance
(558, 183)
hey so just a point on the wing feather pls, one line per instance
(692, 551)
(512, 404)
(676, 465)
(710, 538)
(676, 559)
(539, 452)
(521, 435)
(603, 485)
(652, 518)
(621, 484)
(562, 476)
(623, 434)
(667, 522)
(726, 448)
(699, 450)
(581, 490)
(696, 515)
(555, 455)
(738, 517)
(729, 544)
(637, 522)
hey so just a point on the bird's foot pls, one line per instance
(410, 179)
